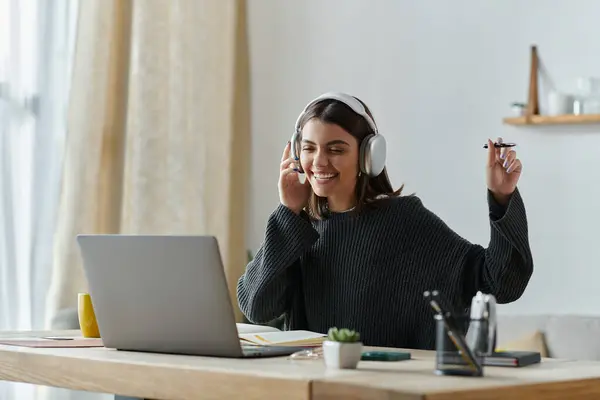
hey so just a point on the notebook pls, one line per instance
(283, 338)
(513, 358)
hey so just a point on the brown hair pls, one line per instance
(369, 191)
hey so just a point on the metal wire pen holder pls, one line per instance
(454, 354)
(463, 342)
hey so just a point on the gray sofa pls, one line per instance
(565, 336)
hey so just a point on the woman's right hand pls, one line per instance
(292, 193)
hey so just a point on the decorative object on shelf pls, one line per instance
(577, 106)
(559, 103)
(518, 109)
(342, 349)
(588, 95)
(563, 109)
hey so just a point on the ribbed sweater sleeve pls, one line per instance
(502, 269)
(271, 279)
(506, 265)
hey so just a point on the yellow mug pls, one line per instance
(87, 316)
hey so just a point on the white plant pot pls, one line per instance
(341, 355)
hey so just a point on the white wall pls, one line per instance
(439, 76)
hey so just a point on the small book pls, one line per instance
(513, 359)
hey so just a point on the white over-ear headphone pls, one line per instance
(373, 147)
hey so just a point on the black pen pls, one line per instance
(500, 145)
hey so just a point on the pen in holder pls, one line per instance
(453, 354)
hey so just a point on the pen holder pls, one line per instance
(449, 359)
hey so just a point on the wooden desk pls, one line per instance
(158, 376)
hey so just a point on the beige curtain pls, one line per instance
(158, 130)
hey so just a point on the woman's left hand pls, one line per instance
(503, 171)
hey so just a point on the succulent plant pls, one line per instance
(343, 335)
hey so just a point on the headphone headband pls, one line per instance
(350, 101)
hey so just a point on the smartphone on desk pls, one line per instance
(385, 356)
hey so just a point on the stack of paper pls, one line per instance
(284, 338)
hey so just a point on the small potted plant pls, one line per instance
(342, 349)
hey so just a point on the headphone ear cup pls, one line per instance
(294, 145)
(295, 149)
(372, 155)
(362, 156)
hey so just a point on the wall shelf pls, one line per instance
(568, 119)
(532, 109)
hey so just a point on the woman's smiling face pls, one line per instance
(329, 157)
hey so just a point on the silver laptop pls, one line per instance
(164, 294)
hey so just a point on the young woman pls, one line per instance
(344, 249)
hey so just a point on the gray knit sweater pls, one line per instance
(369, 272)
